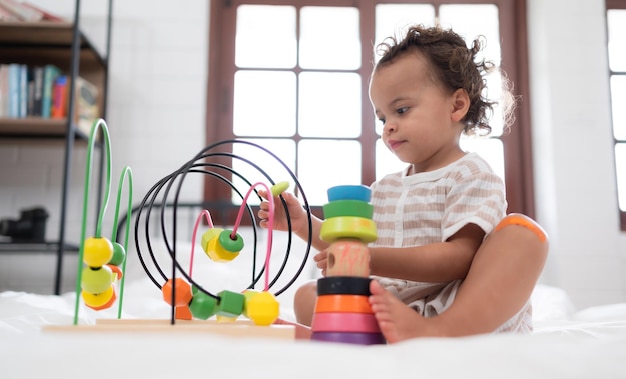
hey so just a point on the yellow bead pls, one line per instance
(218, 253)
(263, 309)
(96, 280)
(99, 301)
(97, 251)
(208, 236)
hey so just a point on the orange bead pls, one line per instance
(117, 271)
(183, 292)
(183, 313)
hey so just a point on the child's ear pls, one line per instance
(460, 104)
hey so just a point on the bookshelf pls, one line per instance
(64, 45)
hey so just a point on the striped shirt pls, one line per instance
(431, 207)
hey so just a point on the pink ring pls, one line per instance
(345, 322)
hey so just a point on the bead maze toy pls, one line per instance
(192, 306)
(342, 310)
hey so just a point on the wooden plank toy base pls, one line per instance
(237, 328)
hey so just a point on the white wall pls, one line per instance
(573, 151)
(156, 120)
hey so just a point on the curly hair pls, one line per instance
(455, 66)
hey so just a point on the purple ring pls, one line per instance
(353, 338)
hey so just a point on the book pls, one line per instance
(85, 101)
(4, 90)
(13, 92)
(23, 94)
(37, 72)
(59, 97)
(22, 12)
(50, 74)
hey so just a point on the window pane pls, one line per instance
(319, 166)
(491, 149)
(620, 165)
(284, 149)
(329, 104)
(266, 36)
(616, 22)
(462, 18)
(329, 38)
(393, 19)
(618, 99)
(386, 161)
(264, 103)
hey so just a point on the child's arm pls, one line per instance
(298, 216)
(437, 262)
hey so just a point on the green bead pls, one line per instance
(202, 306)
(96, 280)
(229, 244)
(230, 304)
(119, 254)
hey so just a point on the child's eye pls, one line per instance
(402, 110)
(382, 121)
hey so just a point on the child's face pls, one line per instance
(421, 118)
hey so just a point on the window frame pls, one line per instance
(513, 27)
(615, 4)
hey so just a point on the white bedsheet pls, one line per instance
(590, 343)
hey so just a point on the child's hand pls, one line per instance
(297, 214)
(321, 260)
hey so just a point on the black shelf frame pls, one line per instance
(55, 36)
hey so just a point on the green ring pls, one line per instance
(229, 244)
(354, 208)
(348, 227)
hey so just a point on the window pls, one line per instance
(293, 77)
(616, 25)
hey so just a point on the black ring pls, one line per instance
(347, 285)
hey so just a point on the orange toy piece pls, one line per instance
(183, 313)
(183, 292)
(348, 257)
(343, 303)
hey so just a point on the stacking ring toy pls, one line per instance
(345, 322)
(354, 208)
(349, 192)
(343, 285)
(350, 338)
(343, 303)
(348, 227)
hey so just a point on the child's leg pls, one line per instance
(304, 302)
(500, 281)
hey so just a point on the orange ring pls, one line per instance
(343, 303)
(522, 220)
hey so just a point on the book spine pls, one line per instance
(59, 98)
(37, 90)
(4, 90)
(23, 91)
(49, 76)
(14, 91)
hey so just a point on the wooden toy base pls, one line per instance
(230, 329)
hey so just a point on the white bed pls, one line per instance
(567, 343)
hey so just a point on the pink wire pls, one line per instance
(195, 230)
(270, 227)
(233, 235)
